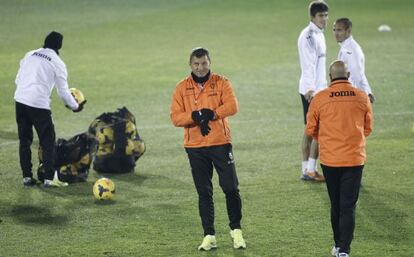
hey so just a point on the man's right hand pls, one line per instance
(196, 116)
(309, 95)
(80, 108)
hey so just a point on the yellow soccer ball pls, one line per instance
(86, 159)
(109, 133)
(139, 146)
(129, 149)
(105, 135)
(104, 150)
(78, 95)
(129, 127)
(104, 189)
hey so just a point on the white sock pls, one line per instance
(316, 165)
(311, 164)
(55, 176)
(304, 166)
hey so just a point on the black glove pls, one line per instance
(196, 116)
(204, 128)
(80, 108)
(371, 98)
(207, 114)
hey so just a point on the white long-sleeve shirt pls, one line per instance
(351, 54)
(40, 70)
(312, 57)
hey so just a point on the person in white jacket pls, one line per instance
(40, 70)
(312, 57)
(351, 54)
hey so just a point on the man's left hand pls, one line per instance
(309, 95)
(371, 98)
(204, 128)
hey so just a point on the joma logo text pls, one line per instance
(342, 93)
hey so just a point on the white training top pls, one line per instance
(40, 70)
(312, 57)
(351, 54)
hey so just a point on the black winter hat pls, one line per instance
(53, 41)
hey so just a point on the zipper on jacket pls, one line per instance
(188, 134)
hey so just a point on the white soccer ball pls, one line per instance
(384, 28)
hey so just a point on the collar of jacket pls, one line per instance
(346, 42)
(315, 28)
(339, 80)
(201, 80)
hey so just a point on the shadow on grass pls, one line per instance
(105, 202)
(217, 252)
(131, 177)
(378, 209)
(238, 252)
(80, 189)
(8, 135)
(29, 214)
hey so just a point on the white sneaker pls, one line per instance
(209, 242)
(29, 181)
(334, 250)
(238, 240)
(342, 255)
(55, 183)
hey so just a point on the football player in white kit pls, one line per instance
(352, 55)
(40, 70)
(312, 56)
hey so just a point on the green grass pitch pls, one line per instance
(132, 53)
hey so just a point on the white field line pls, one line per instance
(257, 121)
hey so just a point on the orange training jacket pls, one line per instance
(340, 118)
(217, 95)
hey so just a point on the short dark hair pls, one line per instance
(199, 52)
(344, 21)
(317, 6)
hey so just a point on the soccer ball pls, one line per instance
(139, 147)
(130, 128)
(78, 95)
(135, 147)
(104, 189)
(129, 149)
(104, 150)
(105, 135)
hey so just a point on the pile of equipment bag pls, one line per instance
(73, 158)
(112, 143)
(119, 144)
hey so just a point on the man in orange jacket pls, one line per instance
(340, 118)
(201, 104)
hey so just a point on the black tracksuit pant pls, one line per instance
(28, 117)
(343, 185)
(202, 161)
